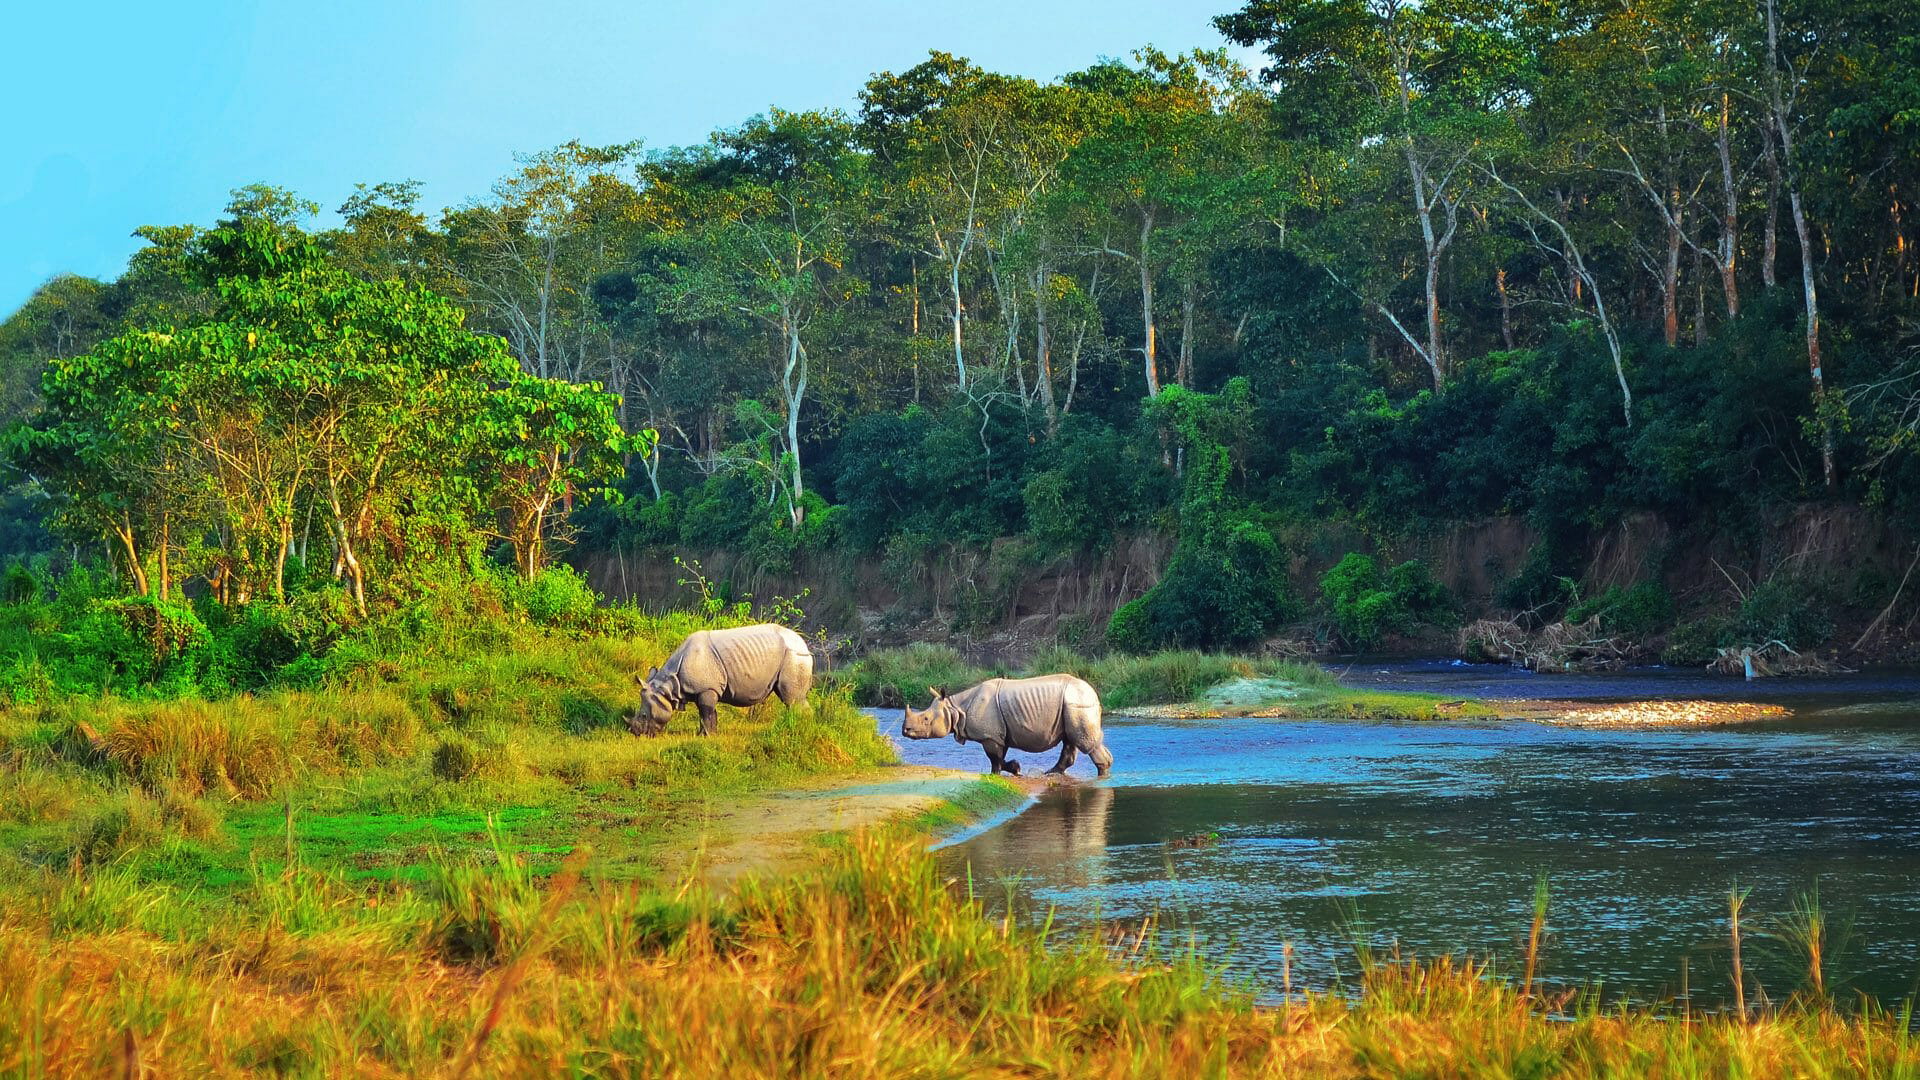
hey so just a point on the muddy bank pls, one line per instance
(999, 602)
(779, 831)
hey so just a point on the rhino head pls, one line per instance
(936, 721)
(659, 697)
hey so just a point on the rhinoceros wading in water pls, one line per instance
(738, 666)
(1034, 715)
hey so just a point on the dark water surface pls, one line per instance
(1431, 835)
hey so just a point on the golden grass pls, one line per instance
(869, 966)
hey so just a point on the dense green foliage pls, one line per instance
(1368, 604)
(1226, 584)
(1440, 261)
(210, 450)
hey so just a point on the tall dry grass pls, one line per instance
(873, 965)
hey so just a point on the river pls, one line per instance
(1431, 836)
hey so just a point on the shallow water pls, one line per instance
(1430, 836)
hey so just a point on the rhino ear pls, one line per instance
(935, 691)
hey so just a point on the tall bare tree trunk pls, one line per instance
(953, 285)
(166, 541)
(1506, 307)
(1770, 244)
(124, 533)
(795, 386)
(913, 330)
(1699, 300)
(1804, 234)
(1146, 305)
(1730, 215)
(1184, 373)
(1043, 349)
(1670, 276)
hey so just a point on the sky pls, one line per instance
(119, 115)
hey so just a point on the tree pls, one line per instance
(1146, 160)
(196, 449)
(527, 257)
(1414, 77)
(774, 230)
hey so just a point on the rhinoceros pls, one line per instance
(740, 666)
(1034, 715)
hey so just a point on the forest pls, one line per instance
(1429, 262)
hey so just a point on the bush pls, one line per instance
(1226, 585)
(1225, 588)
(1774, 611)
(1645, 608)
(1696, 643)
(1367, 605)
(557, 596)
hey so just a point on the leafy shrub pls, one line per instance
(1697, 642)
(1227, 589)
(1774, 611)
(1226, 585)
(1367, 605)
(1645, 608)
(21, 583)
(557, 596)
(891, 678)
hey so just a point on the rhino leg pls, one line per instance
(997, 757)
(707, 701)
(1067, 757)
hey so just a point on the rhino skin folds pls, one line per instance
(1034, 715)
(740, 666)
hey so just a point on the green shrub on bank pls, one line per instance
(892, 678)
(1226, 585)
(1645, 608)
(1368, 605)
(1770, 611)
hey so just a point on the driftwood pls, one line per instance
(1770, 658)
(1553, 649)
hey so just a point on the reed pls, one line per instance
(1535, 932)
(1736, 902)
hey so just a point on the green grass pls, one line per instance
(193, 794)
(891, 678)
(983, 798)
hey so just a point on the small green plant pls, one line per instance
(486, 909)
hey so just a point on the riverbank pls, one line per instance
(870, 964)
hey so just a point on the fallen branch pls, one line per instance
(1553, 649)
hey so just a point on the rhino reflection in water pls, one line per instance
(1065, 830)
(1034, 715)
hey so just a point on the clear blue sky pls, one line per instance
(118, 115)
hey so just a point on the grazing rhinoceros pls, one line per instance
(738, 666)
(1034, 715)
